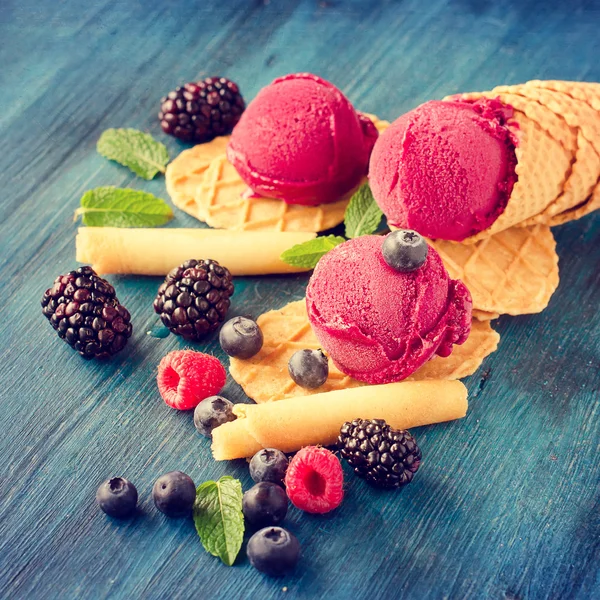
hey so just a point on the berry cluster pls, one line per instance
(385, 457)
(201, 111)
(313, 481)
(84, 310)
(194, 298)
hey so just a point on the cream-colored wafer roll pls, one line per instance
(157, 251)
(291, 424)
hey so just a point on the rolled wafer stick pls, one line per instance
(157, 251)
(290, 424)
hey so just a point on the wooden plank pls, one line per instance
(506, 504)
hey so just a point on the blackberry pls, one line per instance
(194, 298)
(86, 313)
(201, 111)
(385, 457)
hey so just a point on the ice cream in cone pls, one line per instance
(481, 163)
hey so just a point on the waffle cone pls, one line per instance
(583, 91)
(548, 120)
(577, 113)
(512, 272)
(203, 183)
(585, 208)
(569, 113)
(577, 189)
(265, 376)
(483, 315)
(543, 165)
(579, 90)
(578, 105)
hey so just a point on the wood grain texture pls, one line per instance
(507, 502)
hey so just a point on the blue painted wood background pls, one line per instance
(507, 502)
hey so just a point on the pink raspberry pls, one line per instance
(314, 480)
(185, 378)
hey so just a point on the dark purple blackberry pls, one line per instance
(86, 313)
(201, 111)
(194, 298)
(385, 457)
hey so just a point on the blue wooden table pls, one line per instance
(507, 503)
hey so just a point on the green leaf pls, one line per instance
(134, 149)
(218, 517)
(120, 207)
(362, 213)
(307, 254)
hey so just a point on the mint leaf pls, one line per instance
(307, 254)
(134, 149)
(362, 213)
(218, 517)
(121, 207)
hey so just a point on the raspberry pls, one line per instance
(185, 378)
(314, 480)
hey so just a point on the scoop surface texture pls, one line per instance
(377, 324)
(446, 169)
(301, 140)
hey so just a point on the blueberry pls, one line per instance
(211, 413)
(241, 337)
(273, 551)
(269, 464)
(405, 250)
(117, 497)
(308, 368)
(174, 494)
(265, 504)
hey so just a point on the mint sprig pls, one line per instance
(362, 216)
(218, 517)
(307, 254)
(121, 207)
(134, 149)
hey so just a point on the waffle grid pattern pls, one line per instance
(203, 183)
(513, 272)
(265, 377)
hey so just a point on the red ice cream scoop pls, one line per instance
(301, 140)
(446, 169)
(380, 325)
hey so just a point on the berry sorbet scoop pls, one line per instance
(300, 140)
(382, 306)
(446, 169)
